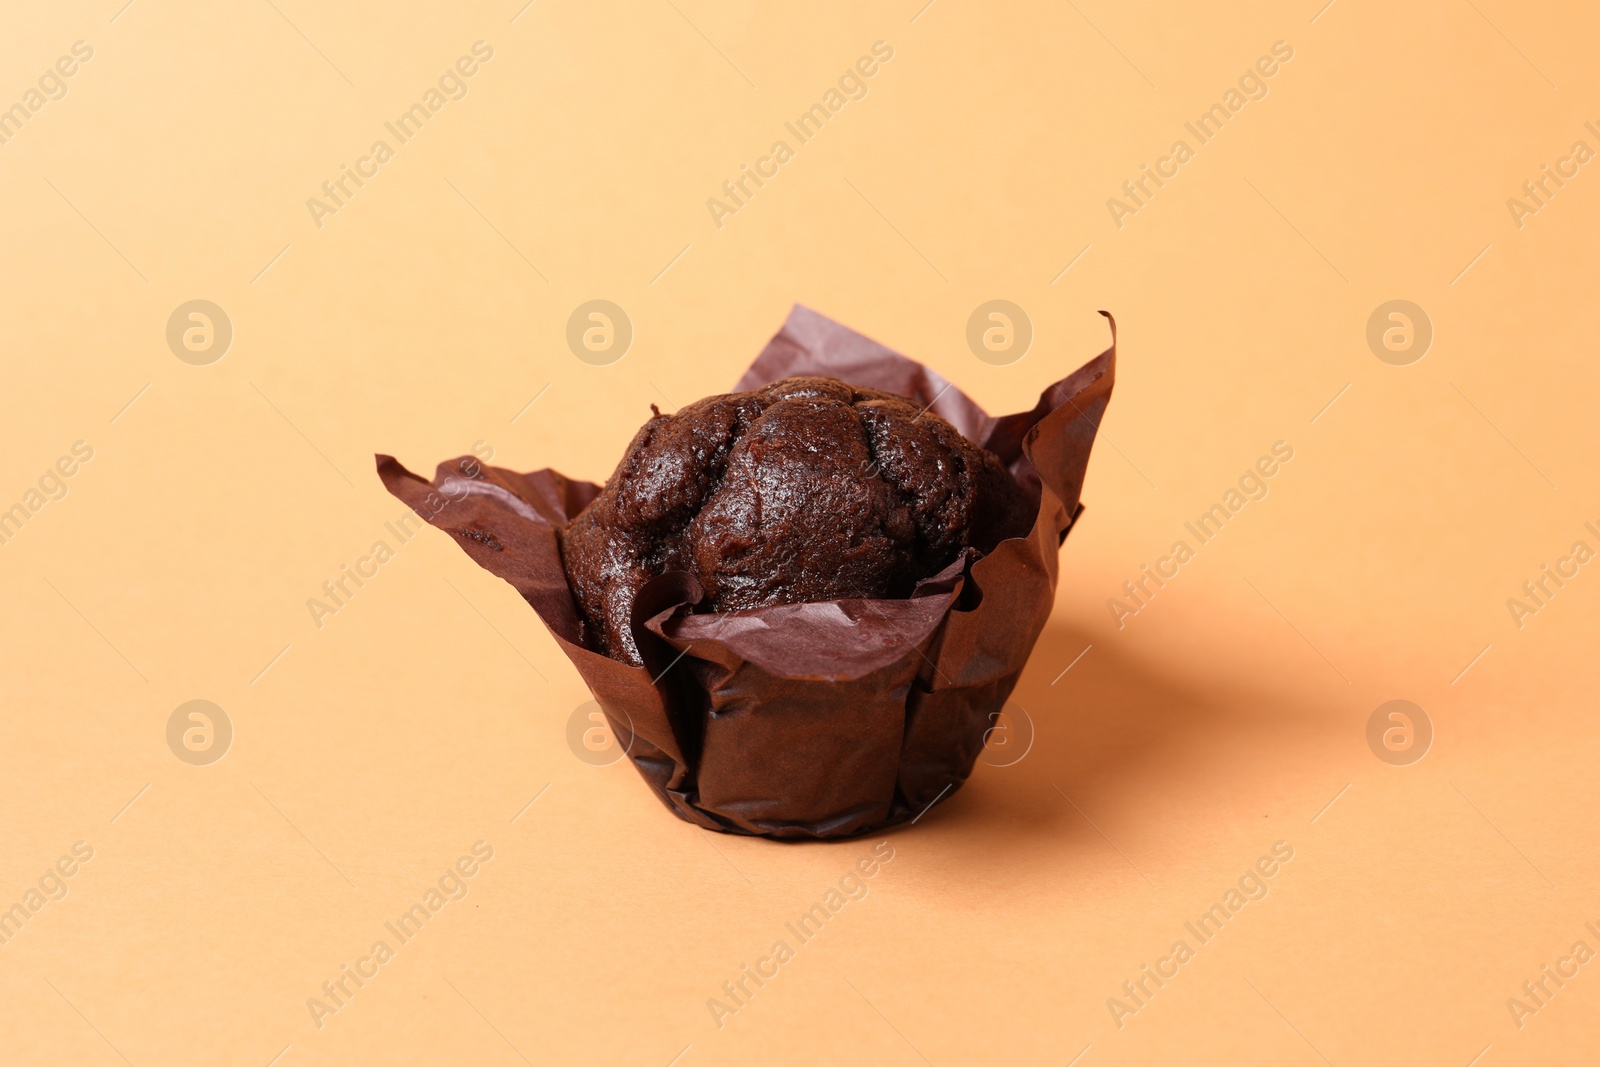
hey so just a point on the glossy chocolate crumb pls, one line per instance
(809, 489)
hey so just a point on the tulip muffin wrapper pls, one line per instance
(815, 720)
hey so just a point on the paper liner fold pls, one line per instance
(816, 720)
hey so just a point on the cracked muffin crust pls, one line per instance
(808, 489)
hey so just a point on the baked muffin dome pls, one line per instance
(808, 489)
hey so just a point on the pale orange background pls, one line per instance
(428, 712)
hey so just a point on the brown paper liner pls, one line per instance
(816, 720)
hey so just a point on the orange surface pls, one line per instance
(1209, 749)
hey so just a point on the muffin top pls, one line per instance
(808, 489)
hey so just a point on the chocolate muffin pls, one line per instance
(809, 489)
